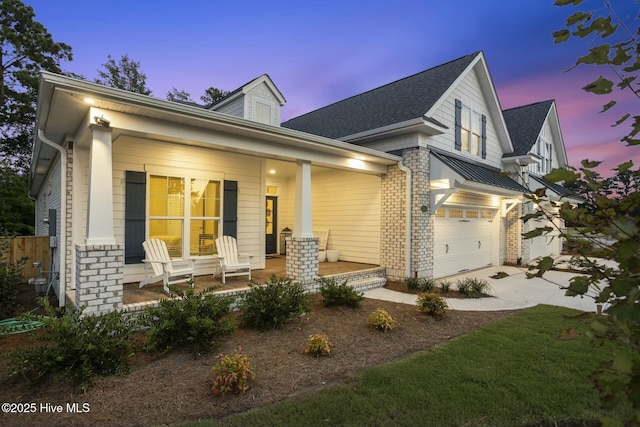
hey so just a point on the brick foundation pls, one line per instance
(302, 259)
(99, 278)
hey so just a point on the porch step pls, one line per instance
(364, 279)
(367, 283)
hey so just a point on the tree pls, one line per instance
(124, 74)
(622, 57)
(608, 233)
(26, 47)
(179, 95)
(17, 211)
(212, 95)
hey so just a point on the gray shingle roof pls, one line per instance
(402, 100)
(524, 124)
(478, 173)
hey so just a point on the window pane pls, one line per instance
(166, 196)
(440, 213)
(455, 213)
(203, 233)
(464, 134)
(205, 198)
(472, 214)
(169, 230)
(485, 214)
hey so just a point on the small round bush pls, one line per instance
(271, 305)
(381, 320)
(232, 374)
(342, 294)
(318, 345)
(432, 304)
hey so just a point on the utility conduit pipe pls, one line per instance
(63, 217)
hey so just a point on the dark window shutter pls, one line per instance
(134, 216)
(484, 136)
(230, 210)
(458, 130)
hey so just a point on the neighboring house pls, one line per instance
(537, 137)
(407, 176)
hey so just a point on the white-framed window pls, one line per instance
(545, 150)
(470, 130)
(185, 212)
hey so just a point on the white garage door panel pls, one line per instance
(461, 244)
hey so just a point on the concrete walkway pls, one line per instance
(510, 293)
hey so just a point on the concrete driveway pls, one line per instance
(510, 293)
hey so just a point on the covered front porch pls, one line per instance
(136, 298)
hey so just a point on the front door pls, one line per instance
(271, 225)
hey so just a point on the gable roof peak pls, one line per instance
(399, 101)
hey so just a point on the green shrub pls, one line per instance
(10, 277)
(189, 319)
(232, 374)
(473, 287)
(74, 347)
(445, 286)
(423, 284)
(381, 320)
(342, 294)
(271, 305)
(432, 304)
(318, 345)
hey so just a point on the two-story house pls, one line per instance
(407, 176)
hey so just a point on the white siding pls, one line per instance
(233, 108)
(546, 135)
(49, 198)
(134, 154)
(262, 94)
(349, 205)
(470, 93)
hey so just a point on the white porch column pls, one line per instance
(302, 221)
(100, 195)
(302, 246)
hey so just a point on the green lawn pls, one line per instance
(515, 372)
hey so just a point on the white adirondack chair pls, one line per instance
(231, 262)
(159, 266)
(323, 235)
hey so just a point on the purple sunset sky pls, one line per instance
(321, 52)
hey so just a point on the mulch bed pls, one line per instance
(176, 387)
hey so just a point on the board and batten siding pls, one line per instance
(135, 154)
(471, 95)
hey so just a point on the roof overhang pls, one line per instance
(424, 125)
(63, 115)
(443, 176)
(554, 192)
(523, 160)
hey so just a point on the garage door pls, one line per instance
(463, 240)
(545, 245)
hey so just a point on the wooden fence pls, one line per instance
(35, 248)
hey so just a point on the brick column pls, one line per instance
(99, 278)
(417, 159)
(393, 223)
(527, 208)
(302, 259)
(511, 223)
